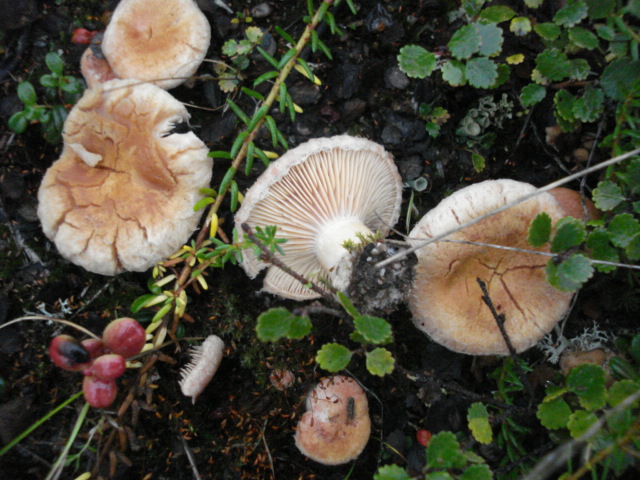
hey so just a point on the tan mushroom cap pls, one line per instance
(95, 70)
(121, 195)
(336, 426)
(446, 302)
(160, 41)
(320, 194)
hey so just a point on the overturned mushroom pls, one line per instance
(121, 195)
(159, 41)
(319, 195)
(336, 426)
(446, 301)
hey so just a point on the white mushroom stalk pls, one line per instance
(333, 235)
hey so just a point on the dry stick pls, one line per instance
(420, 244)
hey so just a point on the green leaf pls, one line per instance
(622, 228)
(478, 162)
(391, 472)
(478, 419)
(18, 122)
(587, 381)
(443, 452)
(578, 69)
(274, 324)
(49, 80)
(481, 72)
(547, 30)
(620, 77)
(553, 64)
(299, 327)
(26, 93)
(631, 176)
(416, 62)
(590, 106)
(633, 249)
(572, 14)
(497, 13)
(622, 389)
(255, 34)
(564, 103)
(347, 305)
(373, 329)
(491, 39)
(600, 9)
(570, 274)
(554, 414)
(203, 202)
(607, 195)
(465, 42)
(533, 3)
(453, 73)
(583, 38)
(333, 357)
(532, 94)
(601, 249)
(54, 62)
(539, 230)
(520, 26)
(472, 7)
(580, 421)
(477, 472)
(569, 232)
(380, 362)
(140, 302)
(438, 476)
(606, 32)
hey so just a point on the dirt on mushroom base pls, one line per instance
(235, 431)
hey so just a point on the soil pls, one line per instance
(241, 426)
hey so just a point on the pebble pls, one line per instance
(261, 10)
(395, 78)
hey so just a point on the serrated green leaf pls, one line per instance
(633, 249)
(54, 62)
(559, 281)
(601, 249)
(587, 381)
(299, 327)
(481, 72)
(622, 389)
(333, 357)
(477, 472)
(497, 13)
(564, 103)
(547, 30)
(373, 329)
(554, 414)
(600, 9)
(569, 232)
(622, 228)
(580, 421)
(416, 62)
(391, 472)
(553, 64)
(274, 324)
(465, 42)
(590, 106)
(576, 269)
(520, 26)
(583, 38)
(553, 392)
(579, 69)
(539, 230)
(606, 32)
(347, 305)
(620, 77)
(443, 452)
(572, 14)
(254, 34)
(229, 48)
(472, 7)
(453, 73)
(380, 362)
(532, 94)
(607, 195)
(491, 39)
(503, 75)
(478, 420)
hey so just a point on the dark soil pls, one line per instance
(242, 427)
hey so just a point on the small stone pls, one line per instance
(261, 10)
(395, 78)
(304, 93)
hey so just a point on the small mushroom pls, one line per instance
(446, 300)
(121, 195)
(159, 41)
(319, 195)
(336, 426)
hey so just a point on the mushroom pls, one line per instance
(319, 195)
(446, 301)
(95, 70)
(336, 426)
(121, 195)
(159, 41)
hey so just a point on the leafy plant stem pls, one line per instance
(57, 468)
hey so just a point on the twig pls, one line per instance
(266, 447)
(187, 450)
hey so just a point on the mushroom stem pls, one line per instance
(332, 236)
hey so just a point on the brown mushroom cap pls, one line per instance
(121, 195)
(95, 70)
(160, 41)
(446, 302)
(336, 426)
(320, 194)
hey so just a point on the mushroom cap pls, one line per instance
(95, 70)
(341, 179)
(160, 41)
(446, 301)
(336, 426)
(121, 195)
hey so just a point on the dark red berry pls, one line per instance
(99, 393)
(82, 36)
(124, 336)
(68, 353)
(423, 437)
(107, 367)
(95, 347)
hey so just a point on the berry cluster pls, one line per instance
(101, 361)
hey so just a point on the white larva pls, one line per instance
(205, 360)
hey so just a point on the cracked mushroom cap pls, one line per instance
(160, 41)
(336, 426)
(446, 301)
(320, 194)
(121, 195)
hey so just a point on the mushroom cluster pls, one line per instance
(320, 195)
(121, 195)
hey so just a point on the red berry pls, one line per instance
(82, 36)
(124, 336)
(107, 367)
(94, 346)
(99, 393)
(67, 352)
(423, 437)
